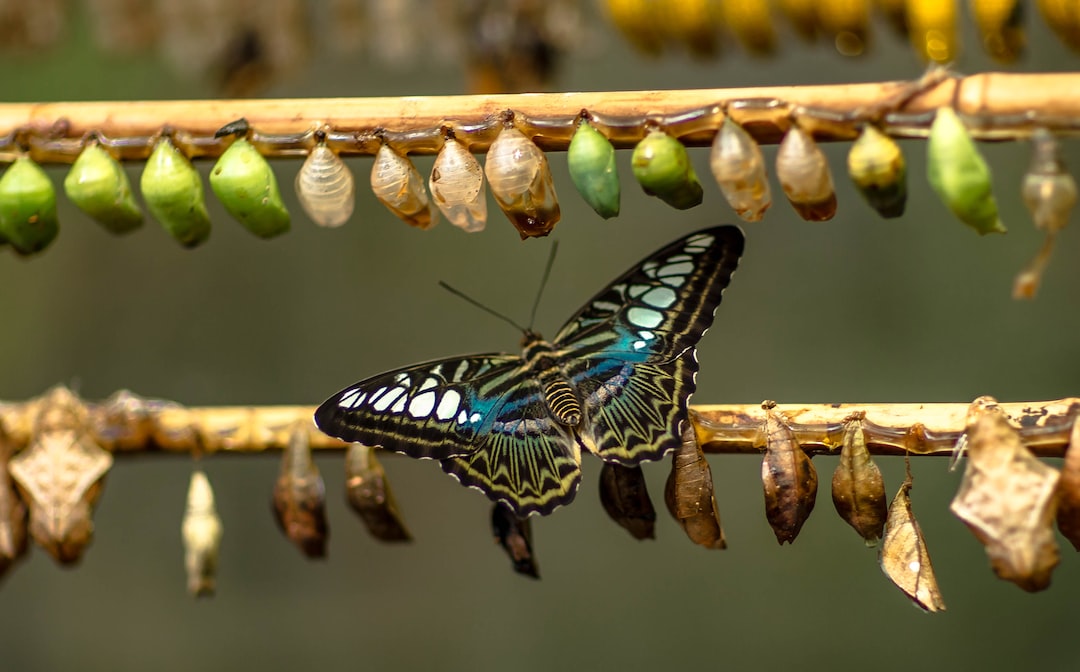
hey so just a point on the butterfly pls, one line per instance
(615, 382)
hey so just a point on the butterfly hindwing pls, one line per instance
(631, 351)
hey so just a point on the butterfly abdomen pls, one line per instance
(561, 399)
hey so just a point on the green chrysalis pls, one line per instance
(591, 158)
(662, 166)
(877, 167)
(244, 183)
(174, 194)
(98, 185)
(27, 207)
(959, 174)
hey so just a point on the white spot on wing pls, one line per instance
(683, 268)
(352, 399)
(448, 405)
(644, 317)
(428, 384)
(422, 405)
(660, 297)
(399, 405)
(385, 400)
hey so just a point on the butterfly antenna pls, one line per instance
(543, 283)
(463, 295)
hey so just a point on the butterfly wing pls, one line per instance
(631, 351)
(483, 416)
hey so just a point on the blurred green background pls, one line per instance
(858, 309)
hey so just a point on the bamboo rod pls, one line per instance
(126, 423)
(998, 106)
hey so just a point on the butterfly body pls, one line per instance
(615, 381)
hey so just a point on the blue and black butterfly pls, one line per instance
(616, 381)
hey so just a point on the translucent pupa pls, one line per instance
(520, 179)
(804, 175)
(739, 169)
(457, 186)
(398, 185)
(325, 187)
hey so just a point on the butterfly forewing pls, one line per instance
(631, 350)
(433, 410)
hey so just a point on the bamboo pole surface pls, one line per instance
(126, 423)
(998, 106)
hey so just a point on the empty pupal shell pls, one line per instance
(688, 494)
(591, 159)
(27, 207)
(959, 175)
(98, 185)
(932, 29)
(1049, 190)
(368, 492)
(520, 179)
(174, 194)
(903, 555)
(662, 166)
(398, 185)
(457, 186)
(245, 184)
(299, 496)
(325, 187)
(739, 169)
(201, 532)
(1000, 23)
(804, 175)
(625, 498)
(877, 167)
(515, 536)
(13, 513)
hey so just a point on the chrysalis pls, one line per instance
(174, 194)
(515, 536)
(245, 184)
(1000, 23)
(60, 476)
(1068, 490)
(904, 558)
(662, 166)
(201, 532)
(27, 207)
(591, 159)
(520, 179)
(324, 186)
(299, 496)
(804, 174)
(848, 22)
(688, 494)
(858, 491)
(625, 498)
(789, 478)
(398, 185)
(368, 492)
(1007, 498)
(1049, 193)
(1063, 19)
(98, 185)
(457, 186)
(877, 167)
(932, 27)
(959, 174)
(751, 23)
(13, 537)
(739, 169)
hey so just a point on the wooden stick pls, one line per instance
(126, 423)
(998, 106)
